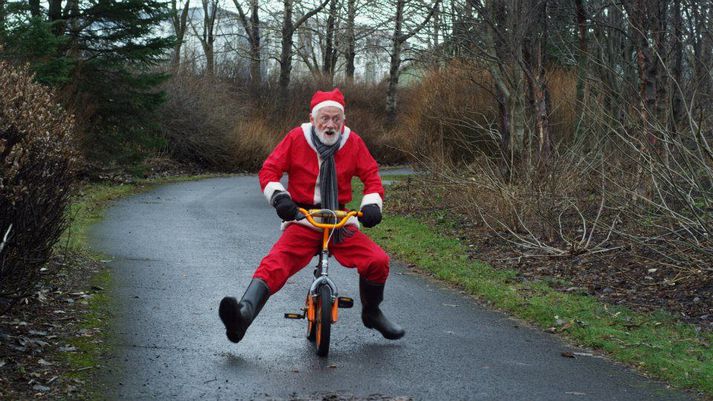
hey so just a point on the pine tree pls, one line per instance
(103, 56)
(119, 50)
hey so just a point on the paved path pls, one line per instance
(179, 249)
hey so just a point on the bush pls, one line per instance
(220, 125)
(37, 168)
(452, 114)
(198, 119)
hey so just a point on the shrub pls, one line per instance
(452, 114)
(220, 125)
(197, 121)
(37, 168)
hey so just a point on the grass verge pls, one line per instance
(655, 343)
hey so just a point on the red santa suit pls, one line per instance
(297, 156)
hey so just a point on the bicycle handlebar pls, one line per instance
(339, 214)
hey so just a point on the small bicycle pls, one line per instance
(323, 301)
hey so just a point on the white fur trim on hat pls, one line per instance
(326, 103)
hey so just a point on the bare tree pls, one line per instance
(534, 69)
(677, 69)
(350, 53)
(179, 29)
(701, 19)
(582, 56)
(207, 35)
(398, 40)
(329, 56)
(642, 17)
(288, 30)
(252, 31)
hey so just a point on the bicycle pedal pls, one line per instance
(345, 302)
(294, 316)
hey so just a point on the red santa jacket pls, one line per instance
(297, 156)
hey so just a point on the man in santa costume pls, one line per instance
(320, 158)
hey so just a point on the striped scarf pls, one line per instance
(328, 189)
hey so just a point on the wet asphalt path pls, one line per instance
(177, 250)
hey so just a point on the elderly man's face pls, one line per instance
(328, 124)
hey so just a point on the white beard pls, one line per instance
(328, 140)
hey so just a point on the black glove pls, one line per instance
(371, 215)
(285, 206)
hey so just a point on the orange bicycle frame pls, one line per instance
(343, 217)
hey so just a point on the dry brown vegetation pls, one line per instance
(609, 211)
(221, 125)
(37, 167)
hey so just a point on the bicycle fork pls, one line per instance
(321, 277)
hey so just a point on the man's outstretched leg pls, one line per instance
(237, 316)
(296, 246)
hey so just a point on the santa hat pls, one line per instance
(321, 99)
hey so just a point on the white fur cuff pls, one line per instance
(271, 188)
(372, 198)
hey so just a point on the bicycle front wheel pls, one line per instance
(311, 324)
(324, 320)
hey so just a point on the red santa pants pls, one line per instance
(298, 244)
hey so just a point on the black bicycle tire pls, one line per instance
(324, 320)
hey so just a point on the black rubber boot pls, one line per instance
(371, 296)
(237, 316)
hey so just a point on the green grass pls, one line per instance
(90, 349)
(655, 343)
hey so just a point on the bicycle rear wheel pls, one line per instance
(323, 320)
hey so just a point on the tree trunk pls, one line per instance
(506, 150)
(179, 28)
(35, 8)
(677, 70)
(640, 16)
(436, 28)
(395, 62)
(255, 57)
(210, 12)
(508, 81)
(288, 29)
(351, 39)
(2, 19)
(659, 27)
(252, 32)
(73, 15)
(54, 12)
(582, 59)
(328, 55)
(286, 53)
(398, 39)
(541, 92)
(703, 56)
